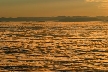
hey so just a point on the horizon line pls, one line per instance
(54, 16)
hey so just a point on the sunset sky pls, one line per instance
(34, 8)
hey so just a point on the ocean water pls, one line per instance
(53, 46)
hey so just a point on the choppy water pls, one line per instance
(53, 46)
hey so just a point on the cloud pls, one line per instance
(101, 4)
(89, 0)
(103, 1)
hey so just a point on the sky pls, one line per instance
(46, 8)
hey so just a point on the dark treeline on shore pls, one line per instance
(57, 19)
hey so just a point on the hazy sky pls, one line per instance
(29, 8)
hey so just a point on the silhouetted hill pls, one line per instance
(58, 18)
(79, 19)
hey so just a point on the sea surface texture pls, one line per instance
(53, 46)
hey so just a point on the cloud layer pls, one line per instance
(97, 1)
(103, 4)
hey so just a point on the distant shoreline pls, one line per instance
(55, 19)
